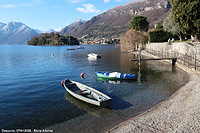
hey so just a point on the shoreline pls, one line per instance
(179, 113)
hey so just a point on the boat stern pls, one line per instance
(105, 103)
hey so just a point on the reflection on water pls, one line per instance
(105, 80)
(93, 59)
(116, 81)
(92, 109)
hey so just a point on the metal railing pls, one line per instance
(190, 61)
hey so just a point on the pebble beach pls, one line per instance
(179, 113)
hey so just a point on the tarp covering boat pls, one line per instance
(115, 75)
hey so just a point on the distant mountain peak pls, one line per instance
(67, 30)
(2, 25)
(80, 20)
(16, 24)
(49, 31)
(15, 33)
(58, 30)
(134, 1)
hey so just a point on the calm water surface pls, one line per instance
(31, 96)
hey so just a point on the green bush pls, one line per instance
(159, 36)
(139, 23)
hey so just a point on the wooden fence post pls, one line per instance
(184, 59)
(195, 62)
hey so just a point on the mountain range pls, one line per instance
(109, 24)
(72, 27)
(116, 21)
(15, 33)
(52, 30)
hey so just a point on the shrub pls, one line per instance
(159, 36)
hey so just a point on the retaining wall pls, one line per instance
(191, 49)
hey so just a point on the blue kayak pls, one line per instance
(115, 75)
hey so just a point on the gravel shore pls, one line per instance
(180, 113)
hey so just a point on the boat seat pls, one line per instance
(70, 85)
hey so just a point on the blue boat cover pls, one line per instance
(117, 75)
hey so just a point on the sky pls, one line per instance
(53, 14)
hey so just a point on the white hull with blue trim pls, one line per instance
(115, 75)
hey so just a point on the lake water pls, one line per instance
(31, 96)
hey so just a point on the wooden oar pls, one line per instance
(79, 92)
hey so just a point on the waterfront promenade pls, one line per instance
(180, 113)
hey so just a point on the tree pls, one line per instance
(131, 40)
(159, 27)
(186, 15)
(197, 25)
(139, 23)
(169, 25)
(52, 39)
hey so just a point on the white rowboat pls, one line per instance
(86, 93)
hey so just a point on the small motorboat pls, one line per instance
(71, 48)
(86, 93)
(115, 75)
(93, 55)
(80, 47)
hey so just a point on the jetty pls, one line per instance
(174, 59)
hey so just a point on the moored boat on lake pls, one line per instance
(115, 75)
(93, 55)
(71, 48)
(80, 47)
(86, 93)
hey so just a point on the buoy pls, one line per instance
(82, 75)
(52, 54)
(62, 83)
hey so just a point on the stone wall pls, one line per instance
(183, 48)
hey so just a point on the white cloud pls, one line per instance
(106, 1)
(88, 8)
(8, 6)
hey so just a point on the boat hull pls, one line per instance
(95, 94)
(117, 76)
(93, 55)
(71, 48)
